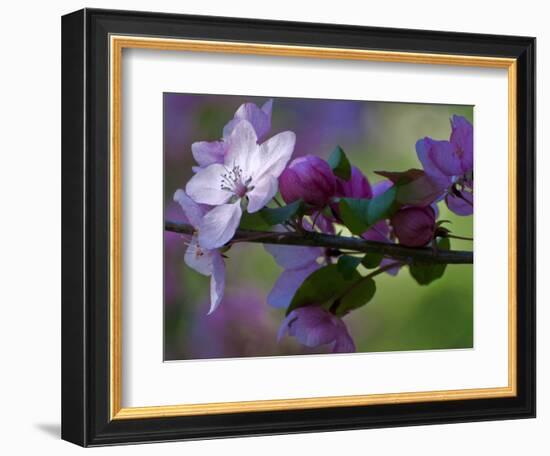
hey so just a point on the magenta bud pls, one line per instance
(414, 226)
(358, 186)
(308, 178)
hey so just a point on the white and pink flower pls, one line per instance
(206, 153)
(208, 262)
(247, 178)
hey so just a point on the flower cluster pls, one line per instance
(451, 165)
(245, 170)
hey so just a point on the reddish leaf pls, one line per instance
(401, 177)
(422, 191)
(414, 187)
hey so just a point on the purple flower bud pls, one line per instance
(308, 178)
(358, 186)
(414, 226)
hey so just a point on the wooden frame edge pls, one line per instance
(115, 238)
(120, 42)
(512, 227)
(165, 411)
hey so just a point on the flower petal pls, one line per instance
(438, 159)
(207, 153)
(217, 281)
(198, 258)
(344, 343)
(273, 155)
(462, 136)
(461, 205)
(358, 186)
(393, 271)
(379, 232)
(314, 336)
(381, 187)
(262, 193)
(267, 107)
(206, 186)
(323, 222)
(287, 284)
(259, 118)
(293, 257)
(192, 210)
(219, 225)
(241, 147)
(314, 326)
(285, 326)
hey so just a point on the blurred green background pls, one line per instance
(376, 136)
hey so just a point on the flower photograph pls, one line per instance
(298, 226)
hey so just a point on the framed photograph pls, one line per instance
(269, 227)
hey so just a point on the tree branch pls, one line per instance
(309, 239)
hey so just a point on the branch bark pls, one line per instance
(399, 252)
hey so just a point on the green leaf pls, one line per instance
(425, 273)
(253, 222)
(359, 214)
(353, 212)
(372, 260)
(340, 164)
(347, 264)
(358, 295)
(275, 216)
(381, 206)
(321, 287)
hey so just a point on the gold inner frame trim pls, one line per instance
(117, 44)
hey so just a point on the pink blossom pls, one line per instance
(206, 153)
(208, 262)
(314, 326)
(247, 178)
(298, 263)
(451, 163)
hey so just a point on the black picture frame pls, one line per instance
(85, 224)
